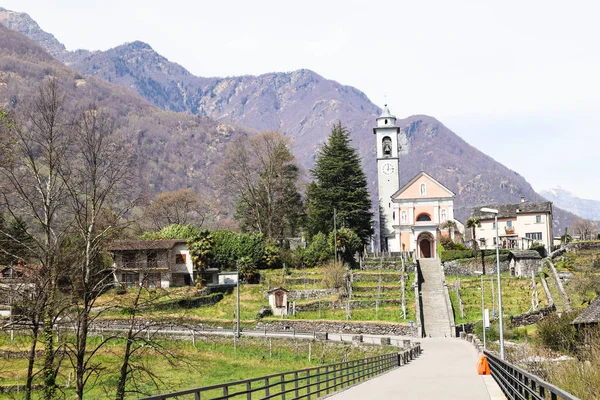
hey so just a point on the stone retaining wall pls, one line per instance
(469, 266)
(358, 277)
(338, 327)
(533, 317)
(310, 294)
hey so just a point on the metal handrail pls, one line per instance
(517, 383)
(303, 383)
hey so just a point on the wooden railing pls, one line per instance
(309, 383)
(517, 383)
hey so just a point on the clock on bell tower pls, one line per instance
(388, 177)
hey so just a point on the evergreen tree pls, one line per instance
(339, 182)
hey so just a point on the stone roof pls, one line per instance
(525, 254)
(590, 315)
(278, 288)
(512, 210)
(134, 245)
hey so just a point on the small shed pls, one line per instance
(589, 317)
(278, 300)
(523, 262)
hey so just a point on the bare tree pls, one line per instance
(584, 228)
(178, 207)
(31, 156)
(101, 192)
(261, 173)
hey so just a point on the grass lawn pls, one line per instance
(253, 298)
(212, 360)
(516, 295)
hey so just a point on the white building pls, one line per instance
(152, 263)
(519, 225)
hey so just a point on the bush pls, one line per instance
(173, 231)
(540, 248)
(333, 275)
(557, 332)
(449, 255)
(248, 271)
(319, 251)
(348, 244)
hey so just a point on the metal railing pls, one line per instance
(300, 384)
(517, 383)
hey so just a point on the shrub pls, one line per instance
(449, 255)
(173, 231)
(557, 332)
(348, 244)
(248, 271)
(333, 275)
(319, 251)
(540, 248)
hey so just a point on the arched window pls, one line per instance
(423, 217)
(386, 145)
(443, 215)
(403, 216)
(423, 189)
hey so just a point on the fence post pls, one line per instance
(282, 386)
(248, 390)
(296, 383)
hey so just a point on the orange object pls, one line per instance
(483, 368)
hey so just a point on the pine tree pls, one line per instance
(339, 182)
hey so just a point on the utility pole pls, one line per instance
(335, 234)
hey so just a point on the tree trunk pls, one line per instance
(31, 360)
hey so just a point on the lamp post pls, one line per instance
(501, 322)
(237, 325)
(483, 313)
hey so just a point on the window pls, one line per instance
(509, 224)
(493, 225)
(403, 216)
(179, 258)
(152, 281)
(129, 280)
(443, 217)
(538, 219)
(128, 259)
(152, 259)
(534, 235)
(423, 189)
(423, 217)
(494, 241)
(386, 144)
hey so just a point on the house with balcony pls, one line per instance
(152, 263)
(420, 209)
(520, 225)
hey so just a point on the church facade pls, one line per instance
(411, 217)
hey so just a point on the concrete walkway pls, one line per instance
(447, 369)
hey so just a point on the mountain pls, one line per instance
(303, 105)
(588, 209)
(173, 150)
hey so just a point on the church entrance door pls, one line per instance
(425, 248)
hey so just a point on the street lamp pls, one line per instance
(495, 212)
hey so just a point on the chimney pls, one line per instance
(522, 199)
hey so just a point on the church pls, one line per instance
(411, 217)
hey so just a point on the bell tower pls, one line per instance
(388, 178)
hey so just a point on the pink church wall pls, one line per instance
(414, 190)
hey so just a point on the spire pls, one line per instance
(386, 119)
(386, 112)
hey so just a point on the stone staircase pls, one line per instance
(435, 301)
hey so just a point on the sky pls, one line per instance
(519, 80)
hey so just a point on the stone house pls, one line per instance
(523, 262)
(590, 317)
(152, 263)
(519, 225)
